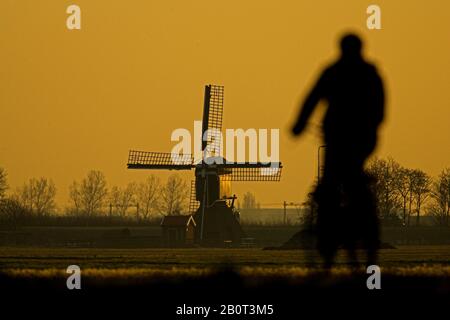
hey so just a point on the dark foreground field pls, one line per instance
(163, 279)
(41, 260)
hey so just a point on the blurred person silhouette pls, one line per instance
(353, 92)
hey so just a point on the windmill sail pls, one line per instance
(250, 172)
(159, 160)
(193, 202)
(212, 119)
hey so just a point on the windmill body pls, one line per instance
(212, 203)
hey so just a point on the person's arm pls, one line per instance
(311, 101)
(380, 100)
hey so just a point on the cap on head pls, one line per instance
(351, 45)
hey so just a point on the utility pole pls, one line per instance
(285, 205)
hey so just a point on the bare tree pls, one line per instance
(402, 184)
(3, 183)
(440, 193)
(249, 201)
(174, 195)
(37, 196)
(122, 198)
(89, 196)
(148, 196)
(75, 196)
(114, 199)
(309, 216)
(384, 172)
(421, 185)
(12, 213)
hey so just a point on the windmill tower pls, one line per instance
(212, 204)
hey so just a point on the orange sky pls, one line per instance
(71, 101)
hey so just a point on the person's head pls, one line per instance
(351, 46)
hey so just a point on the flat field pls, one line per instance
(164, 279)
(15, 259)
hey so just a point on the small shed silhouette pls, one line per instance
(178, 230)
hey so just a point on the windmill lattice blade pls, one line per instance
(193, 202)
(257, 173)
(159, 160)
(215, 117)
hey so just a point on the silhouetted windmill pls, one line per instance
(216, 217)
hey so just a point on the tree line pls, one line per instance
(403, 195)
(92, 198)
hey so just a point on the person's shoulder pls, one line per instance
(331, 67)
(329, 70)
(371, 67)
